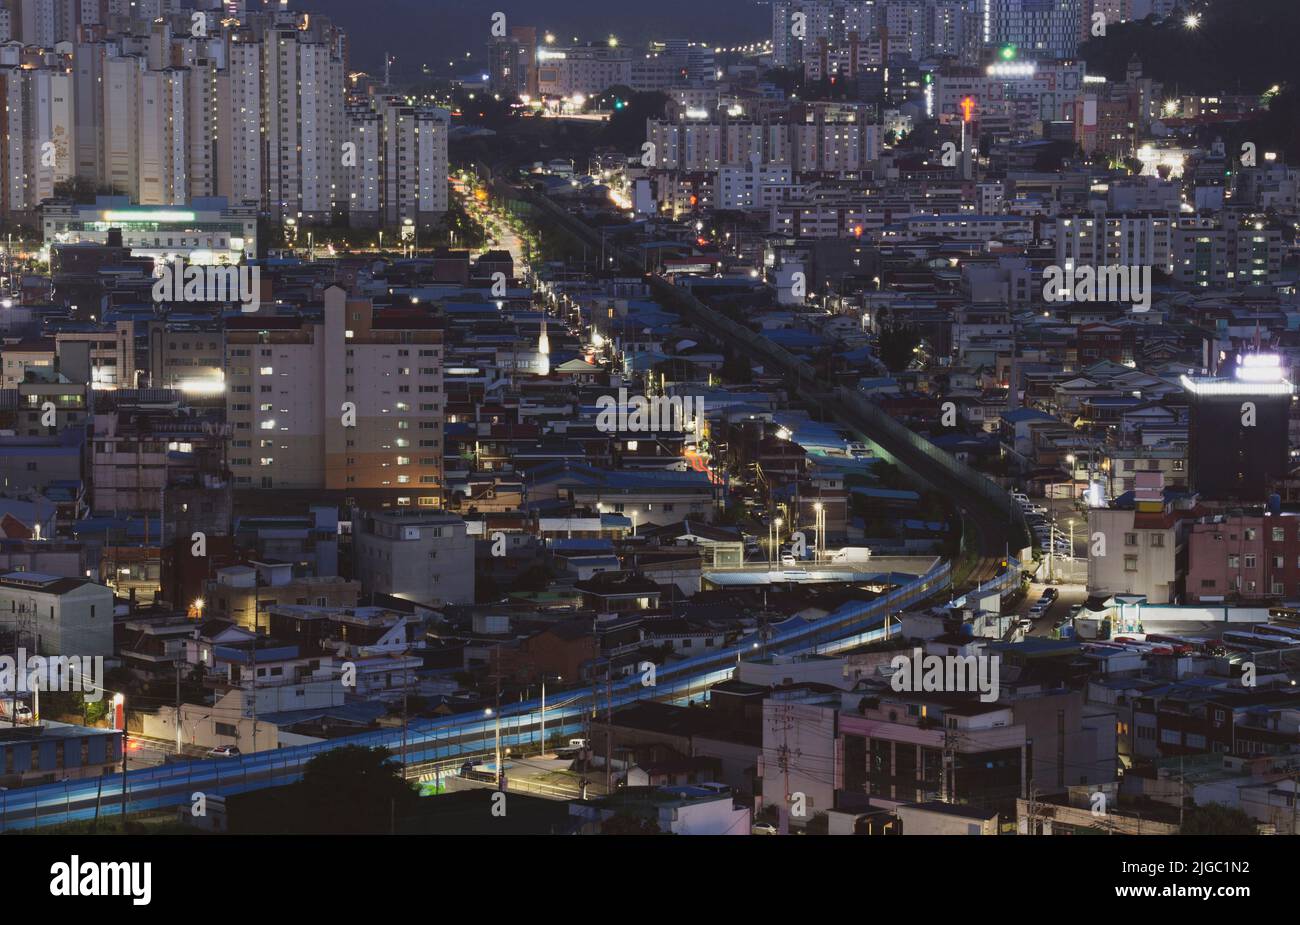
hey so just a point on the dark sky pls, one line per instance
(434, 31)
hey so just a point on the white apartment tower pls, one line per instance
(122, 124)
(163, 148)
(366, 133)
(415, 164)
(303, 124)
(239, 175)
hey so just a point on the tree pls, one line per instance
(81, 190)
(629, 824)
(897, 346)
(537, 578)
(625, 130)
(736, 369)
(819, 824)
(354, 790)
(1217, 819)
(486, 590)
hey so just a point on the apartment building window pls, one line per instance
(1234, 562)
(1250, 534)
(1130, 563)
(1130, 539)
(1250, 561)
(1157, 540)
(1279, 534)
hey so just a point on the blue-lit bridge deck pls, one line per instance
(174, 785)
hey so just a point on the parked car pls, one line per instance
(1049, 594)
(762, 828)
(224, 751)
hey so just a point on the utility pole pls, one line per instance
(1182, 800)
(1295, 792)
(501, 775)
(178, 706)
(609, 727)
(405, 686)
(124, 753)
(783, 754)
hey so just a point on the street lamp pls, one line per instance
(820, 522)
(497, 748)
(542, 724)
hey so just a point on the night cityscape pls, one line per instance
(795, 418)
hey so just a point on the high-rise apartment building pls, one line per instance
(1037, 28)
(512, 62)
(351, 404)
(303, 121)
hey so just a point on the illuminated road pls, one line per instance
(506, 239)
